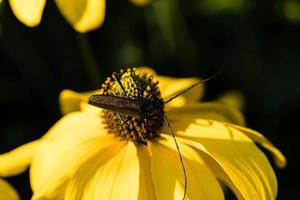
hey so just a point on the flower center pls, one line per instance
(141, 92)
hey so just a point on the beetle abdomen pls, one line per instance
(122, 105)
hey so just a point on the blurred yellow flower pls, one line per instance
(95, 154)
(7, 192)
(140, 2)
(83, 15)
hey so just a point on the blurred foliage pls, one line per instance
(291, 10)
(256, 42)
(216, 6)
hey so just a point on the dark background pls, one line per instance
(256, 42)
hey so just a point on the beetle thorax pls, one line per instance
(141, 87)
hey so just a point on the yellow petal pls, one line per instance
(84, 15)
(80, 185)
(117, 179)
(74, 134)
(76, 175)
(233, 98)
(85, 107)
(210, 110)
(70, 101)
(29, 12)
(140, 2)
(233, 157)
(146, 188)
(7, 192)
(168, 176)
(74, 121)
(18, 160)
(279, 158)
(170, 86)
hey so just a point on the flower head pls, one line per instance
(117, 153)
(135, 109)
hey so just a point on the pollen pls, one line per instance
(141, 87)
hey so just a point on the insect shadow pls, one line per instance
(137, 107)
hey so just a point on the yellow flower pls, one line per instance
(93, 153)
(7, 192)
(83, 15)
(140, 2)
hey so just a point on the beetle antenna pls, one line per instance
(179, 153)
(194, 85)
(116, 78)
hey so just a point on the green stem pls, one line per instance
(2, 4)
(89, 60)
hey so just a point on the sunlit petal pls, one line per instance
(80, 185)
(279, 158)
(77, 133)
(70, 101)
(28, 12)
(168, 176)
(17, 160)
(170, 86)
(206, 110)
(119, 178)
(73, 121)
(232, 98)
(46, 165)
(146, 188)
(85, 107)
(234, 158)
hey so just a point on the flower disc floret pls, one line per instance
(129, 84)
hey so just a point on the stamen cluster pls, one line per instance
(130, 84)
